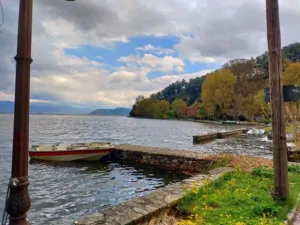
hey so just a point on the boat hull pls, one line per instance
(70, 155)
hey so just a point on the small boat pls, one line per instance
(75, 152)
(229, 122)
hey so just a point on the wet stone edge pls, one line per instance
(142, 210)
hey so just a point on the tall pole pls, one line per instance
(19, 202)
(281, 191)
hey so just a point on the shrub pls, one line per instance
(262, 172)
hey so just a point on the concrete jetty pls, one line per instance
(200, 139)
(165, 158)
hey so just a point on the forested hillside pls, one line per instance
(187, 91)
(235, 91)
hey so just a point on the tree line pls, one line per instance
(234, 92)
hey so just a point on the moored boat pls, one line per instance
(229, 122)
(75, 152)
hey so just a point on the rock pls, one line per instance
(150, 208)
(140, 210)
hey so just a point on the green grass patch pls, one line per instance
(223, 162)
(289, 129)
(239, 198)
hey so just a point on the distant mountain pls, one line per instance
(45, 108)
(111, 112)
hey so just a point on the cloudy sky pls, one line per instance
(104, 53)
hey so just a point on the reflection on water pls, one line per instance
(64, 192)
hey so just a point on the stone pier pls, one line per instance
(176, 160)
(151, 207)
(148, 209)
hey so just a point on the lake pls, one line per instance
(64, 192)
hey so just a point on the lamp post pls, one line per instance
(18, 202)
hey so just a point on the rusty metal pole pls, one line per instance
(281, 184)
(19, 202)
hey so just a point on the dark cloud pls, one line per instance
(106, 18)
(46, 96)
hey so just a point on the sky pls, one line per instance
(103, 54)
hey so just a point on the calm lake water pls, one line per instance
(64, 192)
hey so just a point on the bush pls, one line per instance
(262, 172)
(294, 168)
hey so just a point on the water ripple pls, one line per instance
(64, 192)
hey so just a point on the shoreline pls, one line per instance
(238, 123)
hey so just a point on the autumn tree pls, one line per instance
(261, 104)
(161, 109)
(254, 104)
(249, 79)
(241, 67)
(291, 76)
(237, 106)
(179, 107)
(218, 89)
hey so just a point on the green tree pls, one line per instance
(162, 108)
(218, 89)
(262, 106)
(189, 92)
(144, 107)
(290, 52)
(203, 114)
(179, 107)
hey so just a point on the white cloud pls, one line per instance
(208, 32)
(6, 96)
(164, 64)
(156, 50)
(203, 59)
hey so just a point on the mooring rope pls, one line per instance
(5, 215)
(13, 182)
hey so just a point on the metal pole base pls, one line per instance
(19, 220)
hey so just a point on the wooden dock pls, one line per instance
(201, 139)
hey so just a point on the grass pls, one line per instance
(240, 198)
(289, 129)
(216, 163)
(242, 162)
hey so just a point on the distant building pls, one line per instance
(192, 111)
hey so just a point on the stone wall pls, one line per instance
(175, 160)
